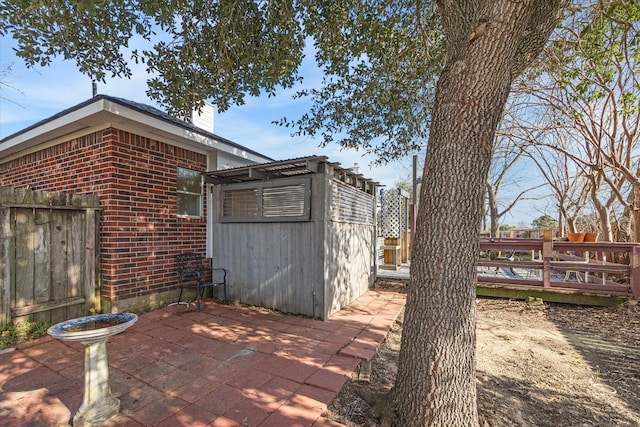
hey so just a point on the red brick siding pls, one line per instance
(135, 178)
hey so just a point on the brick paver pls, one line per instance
(224, 366)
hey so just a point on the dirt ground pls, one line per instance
(538, 364)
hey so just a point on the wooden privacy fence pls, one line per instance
(48, 255)
(599, 268)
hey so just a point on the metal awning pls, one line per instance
(288, 169)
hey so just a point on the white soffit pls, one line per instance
(72, 122)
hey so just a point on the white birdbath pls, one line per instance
(98, 404)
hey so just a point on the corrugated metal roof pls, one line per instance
(287, 169)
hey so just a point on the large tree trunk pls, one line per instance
(604, 216)
(487, 47)
(560, 231)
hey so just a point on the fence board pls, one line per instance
(23, 292)
(59, 262)
(42, 261)
(48, 244)
(75, 262)
(39, 308)
(6, 269)
(91, 286)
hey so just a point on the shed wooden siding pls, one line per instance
(351, 250)
(278, 265)
(311, 267)
(351, 264)
(272, 265)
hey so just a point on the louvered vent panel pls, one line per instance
(284, 201)
(351, 205)
(240, 203)
(287, 200)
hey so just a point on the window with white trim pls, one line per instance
(189, 193)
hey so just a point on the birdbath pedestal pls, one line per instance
(98, 404)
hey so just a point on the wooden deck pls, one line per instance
(599, 273)
(582, 269)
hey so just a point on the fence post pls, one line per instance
(634, 274)
(547, 254)
(91, 290)
(5, 266)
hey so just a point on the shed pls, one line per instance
(295, 235)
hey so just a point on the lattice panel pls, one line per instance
(390, 209)
(403, 214)
(394, 214)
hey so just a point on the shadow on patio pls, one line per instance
(224, 366)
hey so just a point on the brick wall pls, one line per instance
(135, 178)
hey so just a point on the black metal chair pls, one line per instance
(190, 268)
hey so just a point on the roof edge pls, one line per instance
(138, 107)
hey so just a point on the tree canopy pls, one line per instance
(379, 60)
(544, 221)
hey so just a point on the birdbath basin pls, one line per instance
(98, 404)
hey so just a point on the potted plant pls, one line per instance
(576, 237)
(590, 237)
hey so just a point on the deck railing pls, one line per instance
(599, 267)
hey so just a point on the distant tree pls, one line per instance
(567, 180)
(404, 184)
(589, 77)
(5, 72)
(506, 175)
(544, 221)
(505, 227)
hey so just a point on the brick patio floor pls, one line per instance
(224, 366)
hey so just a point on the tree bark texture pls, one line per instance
(604, 214)
(488, 44)
(635, 209)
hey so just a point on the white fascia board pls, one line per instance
(125, 118)
(60, 126)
